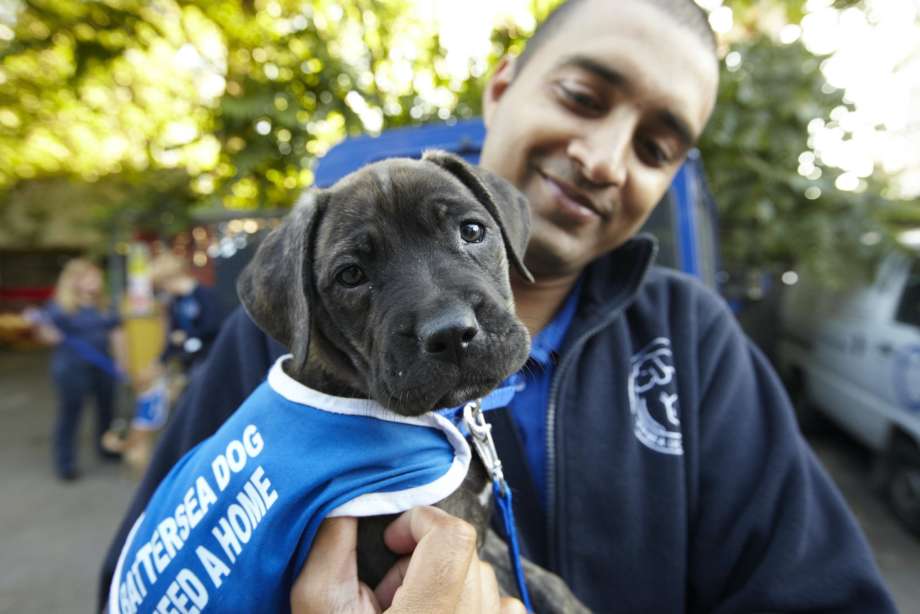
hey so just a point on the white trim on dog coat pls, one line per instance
(231, 525)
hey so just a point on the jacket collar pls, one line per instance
(613, 281)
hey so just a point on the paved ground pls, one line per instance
(897, 552)
(53, 535)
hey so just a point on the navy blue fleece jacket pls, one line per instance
(677, 479)
(197, 314)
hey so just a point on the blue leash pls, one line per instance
(93, 356)
(503, 496)
(82, 348)
(471, 417)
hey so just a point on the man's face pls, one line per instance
(595, 125)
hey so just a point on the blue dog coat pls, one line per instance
(231, 525)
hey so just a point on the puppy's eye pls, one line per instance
(351, 276)
(472, 232)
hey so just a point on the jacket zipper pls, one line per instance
(551, 435)
(556, 384)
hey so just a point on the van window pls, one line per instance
(909, 306)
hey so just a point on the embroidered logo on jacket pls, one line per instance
(653, 398)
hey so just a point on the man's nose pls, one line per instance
(603, 154)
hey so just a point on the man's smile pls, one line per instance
(576, 203)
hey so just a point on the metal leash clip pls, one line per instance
(481, 433)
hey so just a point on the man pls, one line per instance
(655, 459)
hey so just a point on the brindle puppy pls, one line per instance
(393, 285)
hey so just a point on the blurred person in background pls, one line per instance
(87, 338)
(193, 321)
(193, 309)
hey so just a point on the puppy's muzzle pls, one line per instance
(446, 336)
(447, 350)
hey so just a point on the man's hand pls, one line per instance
(440, 573)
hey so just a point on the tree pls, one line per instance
(778, 204)
(183, 105)
(237, 98)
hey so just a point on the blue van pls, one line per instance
(684, 224)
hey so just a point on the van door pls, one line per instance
(903, 337)
(838, 380)
(889, 369)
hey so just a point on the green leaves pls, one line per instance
(778, 204)
(238, 97)
(162, 108)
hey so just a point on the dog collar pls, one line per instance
(497, 399)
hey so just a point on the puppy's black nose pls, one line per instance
(447, 335)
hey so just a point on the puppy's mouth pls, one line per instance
(411, 380)
(468, 392)
(422, 399)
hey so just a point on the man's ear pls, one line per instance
(275, 286)
(496, 86)
(507, 206)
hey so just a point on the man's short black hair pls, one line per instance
(684, 12)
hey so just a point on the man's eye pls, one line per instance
(653, 154)
(581, 99)
(472, 232)
(351, 276)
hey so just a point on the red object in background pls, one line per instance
(17, 299)
(27, 276)
(38, 294)
(15, 330)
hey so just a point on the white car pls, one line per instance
(854, 356)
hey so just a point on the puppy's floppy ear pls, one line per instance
(274, 287)
(507, 206)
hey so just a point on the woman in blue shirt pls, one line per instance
(83, 333)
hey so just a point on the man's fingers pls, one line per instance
(471, 596)
(333, 555)
(490, 596)
(510, 605)
(443, 548)
(387, 588)
(328, 581)
(407, 532)
(443, 573)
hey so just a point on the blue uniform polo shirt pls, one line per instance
(533, 382)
